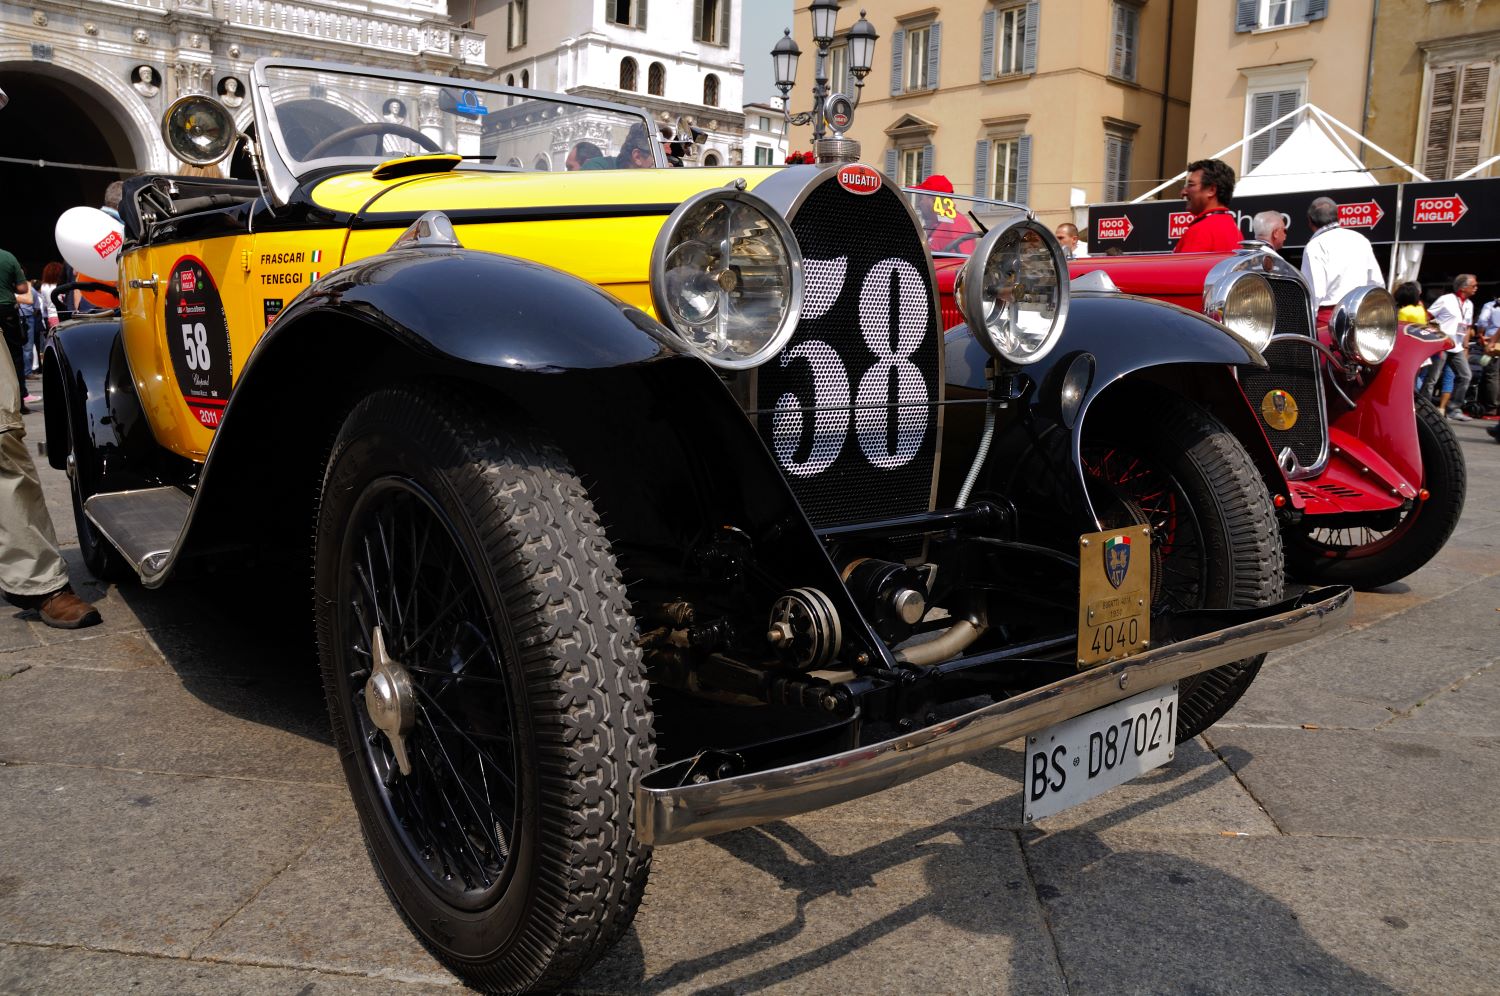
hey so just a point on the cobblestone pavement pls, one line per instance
(172, 819)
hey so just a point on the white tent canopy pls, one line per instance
(1309, 159)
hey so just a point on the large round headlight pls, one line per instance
(1364, 325)
(199, 130)
(1244, 302)
(726, 275)
(1014, 292)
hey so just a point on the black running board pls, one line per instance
(143, 525)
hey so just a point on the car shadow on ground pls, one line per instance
(1229, 936)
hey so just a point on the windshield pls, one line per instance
(325, 116)
(948, 220)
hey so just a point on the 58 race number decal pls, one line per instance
(198, 340)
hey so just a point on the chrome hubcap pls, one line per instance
(390, 699)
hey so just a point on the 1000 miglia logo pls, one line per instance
(198, 340)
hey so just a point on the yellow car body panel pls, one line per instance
(258, 274)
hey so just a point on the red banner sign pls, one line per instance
(106, 246)
(1177, 223)
(1365, 214)
(1438, 210)
(1113, 228)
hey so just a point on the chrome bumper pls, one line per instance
(673, 814)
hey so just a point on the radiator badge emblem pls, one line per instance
(1279, 409)
(1117, 559)
(857, 178)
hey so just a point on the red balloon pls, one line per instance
(99, 299)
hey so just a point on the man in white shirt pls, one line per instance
(1454, 314)
(1336, 260)
(1067, 236)
(1270, 228)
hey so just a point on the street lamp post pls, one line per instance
(830, 111)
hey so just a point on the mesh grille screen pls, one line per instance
(869, 339)
(1294, 369)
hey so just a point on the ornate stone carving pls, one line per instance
(39, 18)
(139, 36)
(91, 29)
(234, 51)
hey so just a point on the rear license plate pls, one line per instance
(1083, 756)
(1114, 591)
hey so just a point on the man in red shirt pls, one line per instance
(1209, 186)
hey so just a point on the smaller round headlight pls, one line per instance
(1246, 305)
(726, 276)
(1364, 325)
(1014, 292)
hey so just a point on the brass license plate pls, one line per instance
(1114, 594)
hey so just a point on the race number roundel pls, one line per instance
(198, 340)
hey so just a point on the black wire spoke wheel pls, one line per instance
(456, 811)
(1167, 463)
(484, 686)
(1389, 545)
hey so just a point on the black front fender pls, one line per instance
(1035, 459)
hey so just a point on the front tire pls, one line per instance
(466, 565)
(1369, 556)
(1214, 544)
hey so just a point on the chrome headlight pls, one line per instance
(726, 276)
(1364, 325)
(1013, 292)
(1244, 302)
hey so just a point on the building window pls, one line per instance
(763, 155)
(1126, 34)
(515, 24)
(710, 159)
(838, 69)
(525, 79)
(1012, 39)
(765, 123)
(1263, 107)
(916, 58)
(711, 21)
(630, 13)
(1258, 15)
(656, 80)
(628, 75)
(1117, 149)
(1458, 98)
(1002, 168)
(711, 90)
(1007, 40)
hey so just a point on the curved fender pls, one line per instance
(98, 416)
(671, 459)
(1108, 338)
(1385, 420)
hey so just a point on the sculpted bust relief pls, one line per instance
(230, 92)
(147, 83)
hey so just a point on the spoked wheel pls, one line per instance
(1389, 546)
(485, 690)
(1214, 544)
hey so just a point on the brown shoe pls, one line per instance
(65, 610)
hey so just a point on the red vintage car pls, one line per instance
(1367, 479)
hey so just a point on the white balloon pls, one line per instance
(90, 241)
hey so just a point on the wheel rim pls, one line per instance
(1129, 489)
(1353, 542)
(405, 582)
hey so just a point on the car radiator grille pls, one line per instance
(1294, 369)
(850, 406)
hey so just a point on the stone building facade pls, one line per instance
(678, 59)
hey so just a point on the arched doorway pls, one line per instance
(59, 116)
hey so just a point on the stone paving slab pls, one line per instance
(156, 720)
(36, 971)
(1149, 913)
(1369, 784)
(1469, 709)
(150, 864)
(812, 908)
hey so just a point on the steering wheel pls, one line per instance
(965, 237)
(352, 132)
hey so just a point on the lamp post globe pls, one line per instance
(825, 16)
(785, 54)
(862, 39)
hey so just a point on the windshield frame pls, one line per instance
(284, 178)
(968, 203)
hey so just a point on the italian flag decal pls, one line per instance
(317, 256)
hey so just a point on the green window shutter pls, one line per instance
(987, 45)
(640, 13)
(698, 20)
(1317, 9)
(1023, 169)
(898, 51)
(724, 8)
(1246, 15)
(934, 50)
(982, 169)
(890, 164)
(1033, 15)
(928, 153)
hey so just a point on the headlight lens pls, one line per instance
(1014, 292)
(1245, 303)
(726, 276)
(1365, 325)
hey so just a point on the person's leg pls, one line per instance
(1462, 377)
(1445, 383)
(1489, 385)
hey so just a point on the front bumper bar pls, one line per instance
(671, 814)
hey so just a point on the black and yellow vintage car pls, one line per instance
(629, 493)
